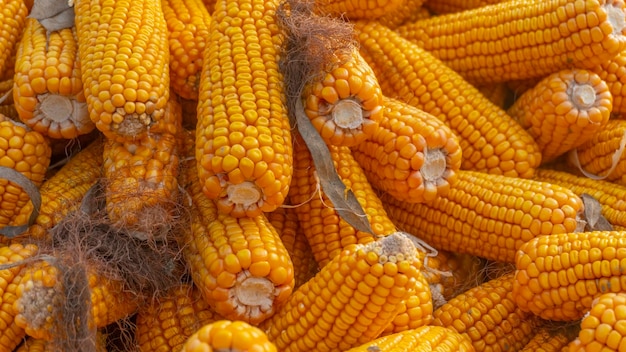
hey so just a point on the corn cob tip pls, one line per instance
(347, 114)
(395, 247)
(253, 297)
(245, 193)
(615, 17)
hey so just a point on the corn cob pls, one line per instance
(350, 301)
(141, 183)
(426, 338)
(27, 152)
(558, 276)
(488, 316)
(167, 323)
(226, 335)
(603, 328)
(38, 345)
(551, 339)
(356, 9)
(491, 140)
(10, 333)
(602, 155)
(124, 62)
(345, 103)
(285, 221)
(326, 232)
(412, 155)
(408, 11)
(40, 300)
(63, 192)
(451, 6)
(13, 19)
(608, 194)
(240, 264)
(243, 137)
(523, 39)
(416, 311)
(563, 110)
(48, 91)
(453, 273)
(490, 216)
(188, 27)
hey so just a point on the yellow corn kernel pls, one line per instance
(514, 40)
(167, 322)
(285, 221)
(345, 104)
(412, 155)
(602, 154)
(10, 333)
(603, 328)
(188, 27)
(243, 136)
(12, 22)
(27, 152)
(426, 338)
(227, 335)
(355, 9)
(489, 216)
(488, 316)
(558, 276)
(350, 301)
(63, 192)
(326, 231)
(611, 71)
(491, 141)
(563, 110)
(608, 194)
(141, 189)
(48, 90)
(240, 264)
(124, 56)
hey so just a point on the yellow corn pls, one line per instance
(603, 328)
(40, 300)
(351, 300)
(450, 6)
(141, 189)
(426, 338)
(345, 104)
(188, 27)
(490, 216)
(326, 232)
(63, 192)
(10, 333)
(240, 264)
(285, 221)
(12, 22)
(597, 155)
(611, 71)
(39, 345)
(226, 335)
(124, 57)
(415, 311)
(166, 323)
(412, 155)
(523, 39)
(558, 276)
(491, 140)
(563, 110)
(48, 90)
(243, 137)
(27, 152)
(608, 194)
(551, 339)
(488, 316)
(355, 9)
(408, 11)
